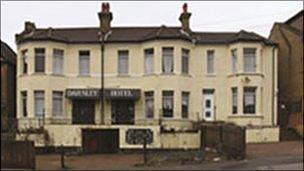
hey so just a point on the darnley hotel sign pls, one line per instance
(111, 94)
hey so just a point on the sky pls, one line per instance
(224, 16)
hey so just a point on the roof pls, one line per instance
(136, 34)
(290, 20)
(7, 54)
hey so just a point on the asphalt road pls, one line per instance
(291, 162)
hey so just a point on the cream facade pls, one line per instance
(219, 84)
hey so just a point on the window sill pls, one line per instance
(123, 75)
(210, 75)
(23, 75)
(38, 73)
(171, 73)
(83, 75)
(150, 74)
(246, 74)
(185, 75)
(58, 75)
(245, 116)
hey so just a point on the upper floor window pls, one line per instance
(24, 57)
(249, 100)
(185, 104)
(234, 100)
(185, 61)
(57, 103)
(123, 62)
(39, 103)
(167, 104)
(84, 63)
(39, 60)
(149, 104)
(24, 103)
(167, 61)
(234, 61)
(58, 61)
(210, 61)
(149, 64)
(249, 59)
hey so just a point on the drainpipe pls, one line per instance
(273, 86)
(102, 79)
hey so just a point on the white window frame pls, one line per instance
(149, 98)
(149, 61)
(250, 60)
(210, 61)
(123, 62)
(57, 96)
(167, 60)
(84, 63)
(234, 61)
(39, 98)
(58, 59)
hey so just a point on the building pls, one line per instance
(289, 37)
(161, 79)
(8, 84)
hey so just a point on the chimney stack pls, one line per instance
(105, 18)
(184, 18)
(29, 27)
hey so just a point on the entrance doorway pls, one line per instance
(123, 112)
(83, 112)
(208, 106)
(100, 140)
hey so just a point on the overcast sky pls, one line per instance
(257, 16)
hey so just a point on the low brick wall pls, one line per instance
(262, 134)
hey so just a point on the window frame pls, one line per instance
(234, 61)
(169, 56)
(168, 95)
(209, 66)
(248, 110)
(85, 56)
(234, 98)
(58, 60)
(43, 60)
(146, 56)
(119, 63)
(247, 59)
(24, 58)
(24, 99)
(185, 94)
(62, 103)
(43, 104)
(149, 97)
(185, 58)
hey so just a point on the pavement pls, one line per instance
(269, 156)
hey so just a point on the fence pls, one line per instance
(228, 139)
(17, 155)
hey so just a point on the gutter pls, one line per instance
(273, 86)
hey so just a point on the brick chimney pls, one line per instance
(29, 27)
(105, 18)
(184, 19)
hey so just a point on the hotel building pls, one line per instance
(156, 79)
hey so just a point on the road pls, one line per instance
(292, 162)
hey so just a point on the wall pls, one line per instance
(262, 134)
(181, 140)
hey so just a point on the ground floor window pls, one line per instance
(83, 112)
(24, 103)
(57, 103)
(123, 112)
(167, 104)
(185, 104)
(234, 100)
(249, 100)
(149, 104)
(39, 103)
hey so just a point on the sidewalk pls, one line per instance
(287, 154)
(273, 149)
